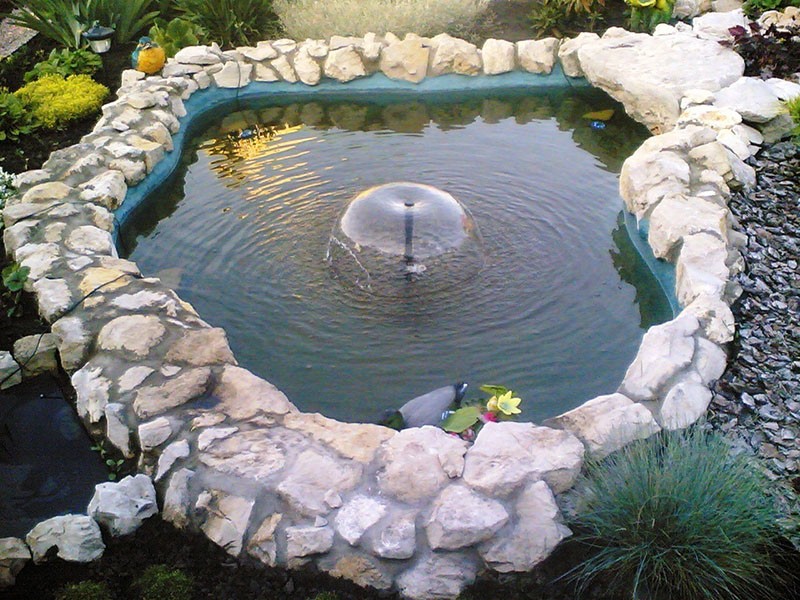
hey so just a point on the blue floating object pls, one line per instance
(246, 134)
(597, 125)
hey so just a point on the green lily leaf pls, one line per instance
(462, 419)
(494, 390)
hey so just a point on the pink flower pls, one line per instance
(489, 416)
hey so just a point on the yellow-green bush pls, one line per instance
(55, 101)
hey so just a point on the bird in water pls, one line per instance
(148, 57)
(427, 409)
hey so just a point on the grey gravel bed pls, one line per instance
(757, 400)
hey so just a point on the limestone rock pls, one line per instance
(72, 340)
(87, 239)
(665, 351)
(685, 403)
(752, 98)
(690, 8)
(284, 69)
(154, 433)
(344, 64)
(176, 498)
(397, 539)
(255, 454)
(263, 52)
(14, 554)
(539, 530)
(39, 258)
(107, 189)
(649, 176)
(77, 538)
(715, 316)
(36, 354)
(312, 477)
(124, 505)
(406, 60)
(418, 462)
(505, 455)
(677, 217)
(607, 423)
(152, 151)
(715, 26)
(305, 541)
(307, 69)
(538, 56)
(710, 361)
(263, 544)
(452, 55)
(213, 434)
(568, 53)
(700, 268)
(200, 347)
(197, 55)
(244, 396)
(438, 576)
(172, 453)
(498, 56)
(357, 441)
(233, 75)
(136, 334)
(10, 371)
(359, 514)
(46, 192)
(117, 431)
(462, 518)
(362, 571)
(92, 391)
(155, 400)
(622, 67)
(226, 521)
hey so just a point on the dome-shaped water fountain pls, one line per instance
(393, 236)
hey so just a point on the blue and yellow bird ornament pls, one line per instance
(148, 57)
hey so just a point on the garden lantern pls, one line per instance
(99, 38)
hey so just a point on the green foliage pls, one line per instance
(15, 121)
(231, 22)
(59, 20)
(127, 17)
(553, 17)
(14, 278)
(85, 590)
(66, 62)
(678, 516)
(647, 14)
(175, 34)
(55, 101)
(115, 466)
(793, 108)
(468, 420)
(7, 190)
(158, 582)
(754, 8)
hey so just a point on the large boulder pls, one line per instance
(14, 554)
(76, 538)
(124, 505)
(406, 60)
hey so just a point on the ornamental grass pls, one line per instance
(678, 516)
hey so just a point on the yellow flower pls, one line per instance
(491, 405)
(508, 405)
(641, 3)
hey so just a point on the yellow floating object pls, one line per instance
(151, 60)
(600, 115)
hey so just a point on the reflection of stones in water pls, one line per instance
(399, 233)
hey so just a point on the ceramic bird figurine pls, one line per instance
(427, 409)
(148, 57)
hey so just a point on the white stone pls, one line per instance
(176, 69)
(92, 391)
(176, 498)
(686, 9)
(312, 477)
(538, 531)
(538, 56)
(39, 258)
(130, 76)
(438, 576)
(107, 189)
(696, 98)
(209, 436)
(76, 537)
(152, 152)
(46, 192)
(783, 89)
(461, 518)
(117, 431)
(206, 346)
(666, 350)
(10, 371)
(136, 334)
(307, 69)
(202, 79)
(71, 337)
(91, 240)
(134, 171)
(678, 216)
(36, 354)
(715, 26)
(227, 519)
(452, 55)
(359, 514)
(568, 53)
(498, 56)
(344, 64)
(154, 433)
(14, 554)
(197, 55)
(305, 541)
(263, 544)
(684, 404)
(397, 539)
(244, 396)
(418, 462)
(507, 454)
(284, 69)
(710, 361)
(263, 52)
(406, 60)
(715, 316)
(700, 268)
(264, 73)
(752, 98)
(172, 453)
(607, 423)
(123, 506)
(734, 143)
(255, 455)
(648, 176)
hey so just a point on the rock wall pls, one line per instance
(418, 511)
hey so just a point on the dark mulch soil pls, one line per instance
(28, 323)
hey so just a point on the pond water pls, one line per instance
(556, 312)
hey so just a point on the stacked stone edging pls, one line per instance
(419, 510)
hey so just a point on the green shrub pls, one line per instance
(55, 101)
(231, 22)
(647, 14)
(303, 19)
(754, 8)
(66, 62)
(15, 121)
(678, 516)
(793, 108)
(175, 34)
(127, 17)
(85, 590)
(158, 582)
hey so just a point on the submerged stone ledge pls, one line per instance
(418, 511)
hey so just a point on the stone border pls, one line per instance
(419, 510)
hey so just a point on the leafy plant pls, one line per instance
(127, 17)
(647, 14)
(15, 121)
(158, 582)
(754, 8)
(678, 516)
(62, 21)
(84, 590)
(793, 108)
(766, 52)
(55, 101)
(231, 22)
(115, 466)
(175, 34)
(14, 278)
(66, 62)
(548, 17)
(468, 420)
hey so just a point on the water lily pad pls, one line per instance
(462, 419)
